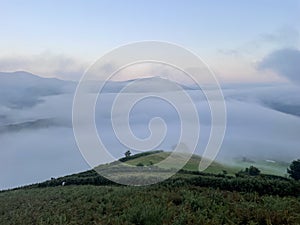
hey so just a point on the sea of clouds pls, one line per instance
(37, 141)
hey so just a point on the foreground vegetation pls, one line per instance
(189, 197)
(157, 204)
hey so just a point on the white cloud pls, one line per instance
(285, 62)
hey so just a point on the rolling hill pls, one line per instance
(191, 165)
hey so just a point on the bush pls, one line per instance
(251, 171)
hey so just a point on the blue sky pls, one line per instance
(87, 29)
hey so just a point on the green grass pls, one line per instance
(276, 168)
(192, 164)
(145, 166)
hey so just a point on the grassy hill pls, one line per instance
(189, 197)
(271, 167)
(144, 168)
(191, 165)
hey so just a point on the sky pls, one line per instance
(62, 38)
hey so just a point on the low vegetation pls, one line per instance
(189, 197)
(157, 204)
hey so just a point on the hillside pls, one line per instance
(192, 164)
(140, 167)
(189, 197)
(153, 205)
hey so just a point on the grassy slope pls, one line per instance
(192, 164)
(275, 168)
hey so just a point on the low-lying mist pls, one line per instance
(37, 139)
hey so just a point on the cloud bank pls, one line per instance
(37, 140)
(285, 62)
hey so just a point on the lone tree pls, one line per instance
(127, 153)
(253, 171)
(294, 170)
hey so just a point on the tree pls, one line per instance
(127, 153)
(294, 170)
(253, 171)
